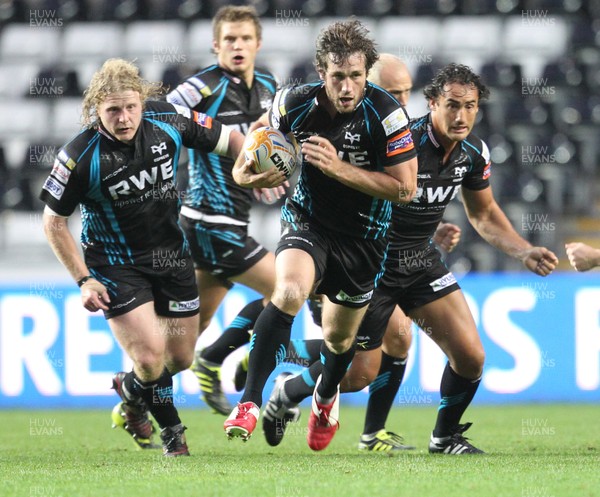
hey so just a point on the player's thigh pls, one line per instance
(212, 291)
(260, 277)
(139, 333)
(363, 370)
(340, 324)
(398, 334)
(449, 323)
(295, 270)
(181, 335)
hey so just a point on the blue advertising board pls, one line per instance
(541, 336)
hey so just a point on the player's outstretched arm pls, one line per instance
(494, 227)
(93, 293)
(582, 257)
(397, 183)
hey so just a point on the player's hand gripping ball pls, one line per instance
(269, 147)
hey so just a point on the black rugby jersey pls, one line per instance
(374, 136)
(129, 203)
(225, 96)
(414, 224)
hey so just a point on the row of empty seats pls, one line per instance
(126, 10)
(173, 41)
(54, 111)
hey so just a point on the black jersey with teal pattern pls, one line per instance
(468, 166)
(129, 203)
(226, 97)
(374, 136)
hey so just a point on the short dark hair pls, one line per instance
(236, 13)
(455, 73)
(342, 39)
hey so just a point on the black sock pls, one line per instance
(382, 392)
(457, 393)
(304, 352)
(334, 369)
(158, 395)
(267, 349)
(129, 389)
(302, 386)
(236, 335)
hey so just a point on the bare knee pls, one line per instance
(148, 364)
(469, 365)
(397, 344)
(180, 362)
(289, 296)
(338, 342)
(355, 381)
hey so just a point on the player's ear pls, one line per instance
(215, 46)
(432, 104)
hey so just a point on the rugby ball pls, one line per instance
(269, 147)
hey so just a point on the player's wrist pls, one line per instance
(84, 280)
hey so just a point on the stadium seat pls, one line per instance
(20, 43)
(467, 37)
(520, 114)
(413, 39)
(502, 151)
(54, 82)
(425, 7)
(592, 77)
(24, 118)
(554, 6)
(92, 41)
(584, 34)
(160, 42)
(572, 110)
(303, 72)
(545, 36)
(502, 74)
(564, 72)
(175, 74)
(100, 10)
(66, 119)
(309, 8)
(199, 42)
(485, 7)
(424, 73)
(372, 8)
(16, 79)
(282, 35)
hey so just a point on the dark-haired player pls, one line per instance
(451, 159)
(121, 170)
(358, 158)
(215, 213)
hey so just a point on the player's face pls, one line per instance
(453, 113)
(345, 83)
(236, 47)
(121, 114)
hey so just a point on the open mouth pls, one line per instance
(238, 59)
(346, 101)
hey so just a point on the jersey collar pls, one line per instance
(431, 135)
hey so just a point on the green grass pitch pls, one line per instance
(532, 451)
